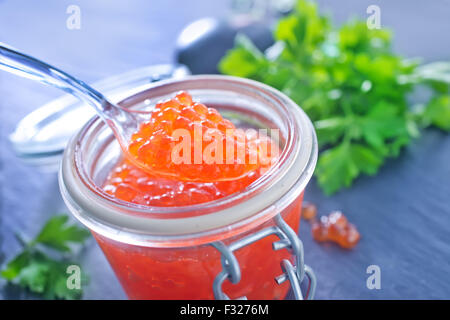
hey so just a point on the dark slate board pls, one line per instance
(403, 213)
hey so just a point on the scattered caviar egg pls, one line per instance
(309, 211)
(336, 228)
(192, 142)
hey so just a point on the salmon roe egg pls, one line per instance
(336, 228)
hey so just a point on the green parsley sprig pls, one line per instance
(35, 270)
(351, 85)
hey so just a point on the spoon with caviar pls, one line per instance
(168, 140)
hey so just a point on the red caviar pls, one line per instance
(192, 142)
(336, 228)
(129, 183)
(189, 272)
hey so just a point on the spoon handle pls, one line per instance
(23, 65)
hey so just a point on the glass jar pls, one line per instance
(228, 248)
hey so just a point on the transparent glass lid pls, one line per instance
(40, 138)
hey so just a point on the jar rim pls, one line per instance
(214, 220)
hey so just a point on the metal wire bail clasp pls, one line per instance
(293, 273)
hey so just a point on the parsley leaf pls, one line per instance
(338, 166)
(352, 86)
(437, 112)
(57, 234)
(248, 57)
(36, 271)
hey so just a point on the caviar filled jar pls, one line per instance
(240, 244)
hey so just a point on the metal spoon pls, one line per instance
(122, 122)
